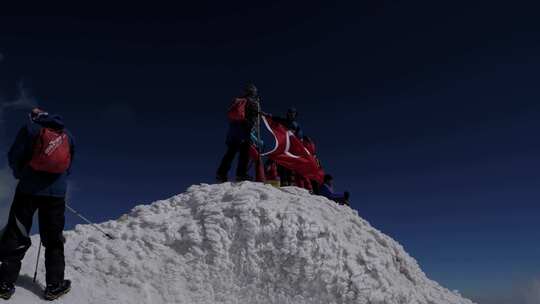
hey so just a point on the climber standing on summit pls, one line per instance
(243, 118)
(40, 159)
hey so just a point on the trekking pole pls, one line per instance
(259, 148)
(37, 261)
(110, 237)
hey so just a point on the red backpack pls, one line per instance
(52, 152)
(237, 111)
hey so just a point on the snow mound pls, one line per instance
(239, 243)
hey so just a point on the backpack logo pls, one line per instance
(52, 152)
(54, 145)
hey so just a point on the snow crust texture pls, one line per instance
(239, 243)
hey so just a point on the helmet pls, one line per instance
(328, 178)
(292, 113)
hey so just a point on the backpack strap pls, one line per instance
(38, 141)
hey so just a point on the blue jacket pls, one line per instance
(30, 181)
(328, 192)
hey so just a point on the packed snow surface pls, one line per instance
(238, 243)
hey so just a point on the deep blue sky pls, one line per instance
(426, 111)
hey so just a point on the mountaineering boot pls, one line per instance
(6, 290)
(55, 291)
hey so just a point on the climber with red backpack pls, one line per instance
(243, 117)
(40, 159)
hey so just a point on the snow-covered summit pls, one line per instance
(239, 243)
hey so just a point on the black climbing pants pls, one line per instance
(243, 160)
(15, 239)
(285, 176)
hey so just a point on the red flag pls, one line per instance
(290, 153)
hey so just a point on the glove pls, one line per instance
(36, 113)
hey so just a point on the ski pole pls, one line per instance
(259, 131)
(89, 222)
(37, 261)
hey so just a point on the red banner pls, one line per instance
(289, 152)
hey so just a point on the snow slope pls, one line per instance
(239, 243)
